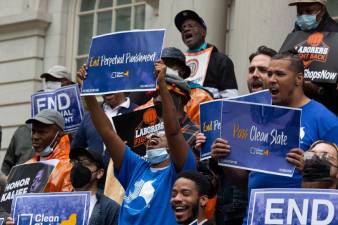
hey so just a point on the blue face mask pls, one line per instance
(307, 22)
(156, 156)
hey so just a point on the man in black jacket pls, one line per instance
(220, 77)
(87, 171)
(312, 16)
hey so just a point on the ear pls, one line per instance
(99, 174)
(204, 33)
(203, 200)
(299, 79)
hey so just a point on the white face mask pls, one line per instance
(51, 85)
(49, 149)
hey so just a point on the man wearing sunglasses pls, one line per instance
(320, 166)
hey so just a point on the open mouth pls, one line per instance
(274, 90)
(257, 84)
(188, 36)
(180, 209)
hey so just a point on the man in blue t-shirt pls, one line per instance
(286, 80)
(147, 181)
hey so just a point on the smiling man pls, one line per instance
(147, 181)
(190, 197)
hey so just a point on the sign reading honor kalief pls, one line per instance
(25, 178)
(134, 127)
(123, 62)
(319, 52)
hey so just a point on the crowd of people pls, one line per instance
(169, 184)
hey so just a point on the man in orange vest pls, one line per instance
(49, 142)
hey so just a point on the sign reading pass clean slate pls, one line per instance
(123, 61)
(293, 206)
(51, 208)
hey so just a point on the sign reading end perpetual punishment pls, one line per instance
(123, 61)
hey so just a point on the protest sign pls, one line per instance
(25, 178)
(134, 127)
(211, 111)
(258, 134)
(51, 208)
(1, 221)
(293, 206)
(263, 97)
(123, 62)
(198, 63)
(66, 100)
(319, 52)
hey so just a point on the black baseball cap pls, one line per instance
(93, 155)
(188, 14)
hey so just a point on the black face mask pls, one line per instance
(316, 169)
(80, 176)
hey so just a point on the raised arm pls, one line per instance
(113, 142)
(178, 147)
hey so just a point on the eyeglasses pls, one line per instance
(261, 69)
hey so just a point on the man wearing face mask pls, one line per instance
(147, 183)
(87, 171)
(20, 147)
(312, 16)
(47, 131)
(321, 166)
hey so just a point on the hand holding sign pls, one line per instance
(220, 149)
(296, 158)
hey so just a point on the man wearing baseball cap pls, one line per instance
(57, 76)
(47, 132)
(87, 171)
(312, 16)
(220, 77)
(19, 149)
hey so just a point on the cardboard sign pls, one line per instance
(25, 178)
(123, 62)
(65, 100)
(260, 135)
(60, 208)
(198, 63)
(293, 206)
(319, 52)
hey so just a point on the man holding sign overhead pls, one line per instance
(147, 182)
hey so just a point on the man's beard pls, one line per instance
(193, 216)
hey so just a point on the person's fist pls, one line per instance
(81, 74)
(220, 148)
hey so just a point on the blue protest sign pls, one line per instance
(66, 100)
(260, 136)
(123, 61)
(210, 117)
(263, 97)
(51, 208)
(293, 206)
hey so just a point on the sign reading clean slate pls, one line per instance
(260, 135)
(319, 52)
(59, 208)
(212, 109)
(293, 206)
(66, 100)
(123, 62)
